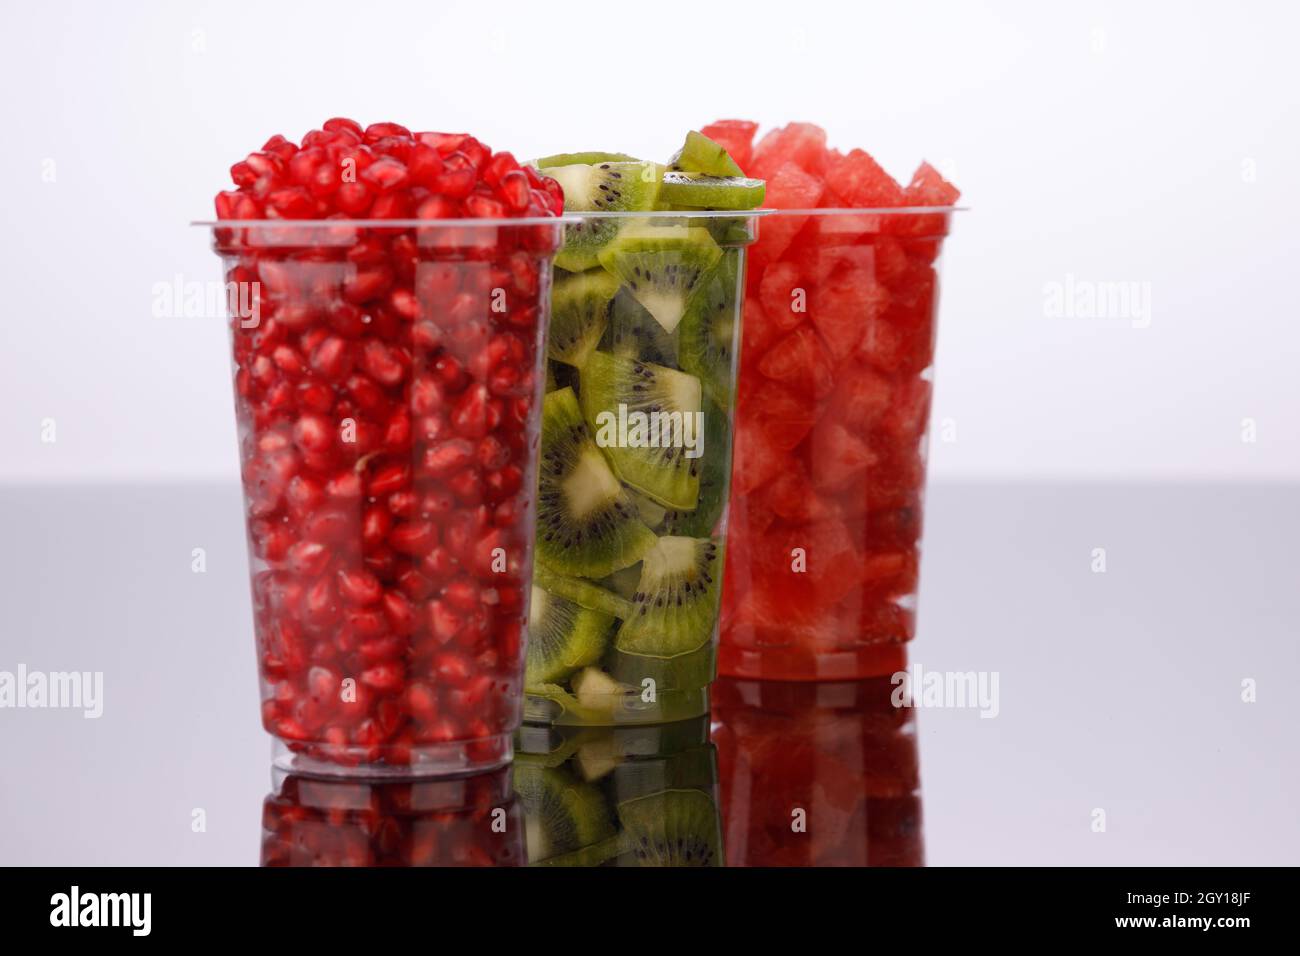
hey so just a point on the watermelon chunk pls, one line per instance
(860, 398)
(859, 181)
(784, 295)
(785, 415)
(839, 456)
(802, 144)
(736, 137)
(788, 188)
(929, 188)
(800, 361)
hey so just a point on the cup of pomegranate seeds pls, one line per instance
(389, 299)
(453, 821)
(836, 367)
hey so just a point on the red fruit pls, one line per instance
(784, 414)
(839, 456)
(469, 416)
(359, 586)
(755, 460)
(802, 144)
(929, 188)
(800, 361)
(736, 137)
(857, 180)
(859, 399)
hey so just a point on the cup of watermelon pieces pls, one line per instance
(836, 368)
(636, 434)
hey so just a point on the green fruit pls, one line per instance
(574, 159)
(587, 524)
(583, 593)
(698, 191)
(580, 309)
(699, 154)
(594, 855)
(563, 636)
(633, 333)
(715, 479)
(679, 672)
(623, 582)
(676, 604)
(662, 266)
(672, 828)
(561, 815)
(602, 187)
(660, 406)
(707, 336)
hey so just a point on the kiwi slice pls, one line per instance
(664, 403)
(634, 333)
(672, 828)
(588, 159)
(676, 603)
(662, 266)
(583, 593)
(699, 154)
(561, 815)
(580, 309)
(623, 582)
(601, 187)
(587, 524)
(706, 339)
(700, 191)
(563, 636)
(715, 478)
(595, 855)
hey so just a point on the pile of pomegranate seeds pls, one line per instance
(384, 172)
(387, 393)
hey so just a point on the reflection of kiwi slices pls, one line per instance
(561, 815)
(668, 636)
(587, 524)
(661, 406)
(583, 593)
(662, 266)
(563, 636)
(580, 310)
(672, 828)
(600, 187)
(714, 480)
(699, 191)
(633, 333)
(699, 154)
(707, 335)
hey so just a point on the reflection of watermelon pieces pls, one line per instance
(736, 137)
(858, 180)
(800, 361)
(800, 143)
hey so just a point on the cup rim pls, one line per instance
(568, 218)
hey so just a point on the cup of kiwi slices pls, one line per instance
(642, 796)
(636, 435)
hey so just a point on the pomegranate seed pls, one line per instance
(462, 593)
(338, 123)
(447, 457)
(377, 131)
(353, 198)
(385, 175)
(345, 486)
(515, 192)
(359, 586)
(452, 667)
(332, 358)
(398, 610)
(381, 364)
(414, 538)
(454, 184)
(388, 479)
(383, 677)
(375, 525)
(414, 584)
(313, 433)
(309, 558)
(484, 207)
(443, 622)
(403, 504)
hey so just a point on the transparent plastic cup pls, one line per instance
(830, 447)
(467, 821)
(638, 796)
(636, 460)
(388, 379)
(840, 751)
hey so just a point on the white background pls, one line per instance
(1156, 143)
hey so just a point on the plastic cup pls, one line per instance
(638, 796)
(457, 821)
(636, 459)
(388, 378)
(840, 752)
(830, 447)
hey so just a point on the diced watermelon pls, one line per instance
(929, 188)
(755, 461)
(890, 259)
(800, 361)
(784, 295)
(859, 181)
(788, 188)
(860, 398)
(736, 137)
(790, 495)
(839, 456)
(757, 335)
(800, 143)
(907, 417)
(844, 305)
(784, 414)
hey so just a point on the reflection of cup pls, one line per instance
(453, 821)
(817, 774)
(831, 427)
(388, 380)
(620, 796)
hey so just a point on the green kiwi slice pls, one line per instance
(561, 815)
(633, 333)
(715, 476)
(584, 594)
(672, 828)
(623, 582)
(700, 191)
(706, 339)
(675, 610)
(662, 266)
(660, 407)
(699, 154)
(587, 524)
(587, 159)
(601, 187)
(581, 304)
(563, 636)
